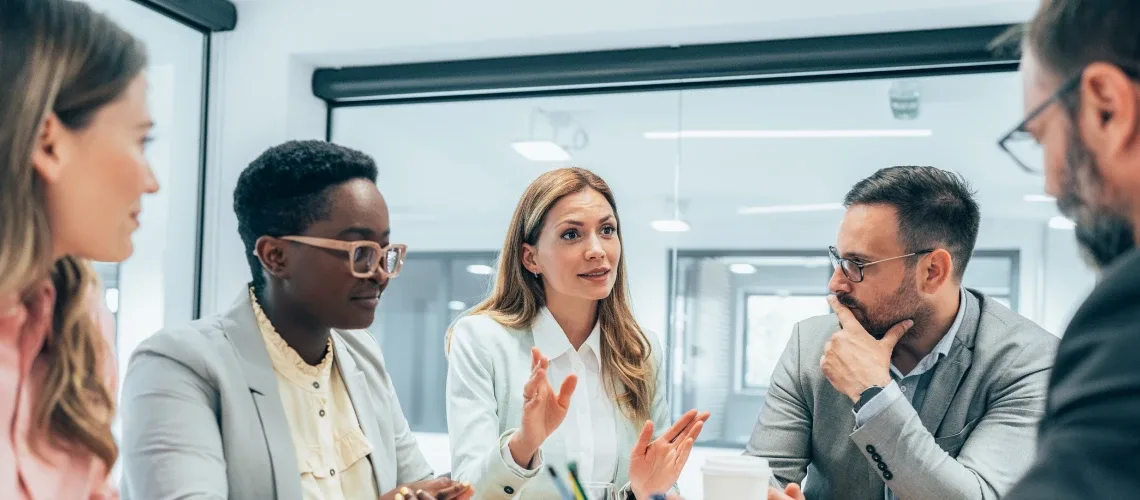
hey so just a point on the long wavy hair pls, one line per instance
(57, 57)
(518, 296)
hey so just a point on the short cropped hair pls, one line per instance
(936, 209)
(284, 191)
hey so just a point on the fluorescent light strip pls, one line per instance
(1038, 198)
(742, 269)
(479, 269)
(786, 209)
(1061, 223)
(670, 225)
(786, 134)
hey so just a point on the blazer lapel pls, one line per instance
(358, 392)
(948, 373)
(242, 330)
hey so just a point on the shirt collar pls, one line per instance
(551, 339)
(942, 348)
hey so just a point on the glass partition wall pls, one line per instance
(728, 198)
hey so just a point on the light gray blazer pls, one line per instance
(203, 419)
(973, 437)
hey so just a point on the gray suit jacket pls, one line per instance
(203, 419)
(972, 438)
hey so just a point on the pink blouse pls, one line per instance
(24, 475)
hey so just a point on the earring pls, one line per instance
(536, 275)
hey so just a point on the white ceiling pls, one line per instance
(461, 151)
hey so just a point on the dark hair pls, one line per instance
(284, 191)
(58, 57)
(1067, 35)
(936, 209)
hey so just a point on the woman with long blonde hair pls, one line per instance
(559, 313)
(73, 124)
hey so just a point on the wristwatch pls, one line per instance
(866, 395)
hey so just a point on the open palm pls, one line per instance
(654, 466)
(543, 409)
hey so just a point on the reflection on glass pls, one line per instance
(768, 328)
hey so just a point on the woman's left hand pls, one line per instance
(655, 465)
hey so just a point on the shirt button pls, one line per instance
(321, 413)
(316, 385)
(903, 388)
(332, 472)
(508, 490)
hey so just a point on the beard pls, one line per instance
(1102, 233)
(902, 305)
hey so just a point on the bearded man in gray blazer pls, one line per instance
(917, 388)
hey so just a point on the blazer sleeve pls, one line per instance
(783, 432)
(171, 444)
(1087, 447)
(997, 451)
(473, 420)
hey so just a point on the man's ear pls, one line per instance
(939, 269)
(274, 256)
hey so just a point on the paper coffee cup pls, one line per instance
(736, 477)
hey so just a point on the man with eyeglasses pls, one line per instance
(917, 388)
(1081, 74)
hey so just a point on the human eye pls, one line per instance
(609, 230)
(570, 234)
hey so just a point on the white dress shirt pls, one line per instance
(488, 365)
(588, 436)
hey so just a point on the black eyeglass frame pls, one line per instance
(837, 262)
(1058, 95)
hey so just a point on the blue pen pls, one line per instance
(565, 493)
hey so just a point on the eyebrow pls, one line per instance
(364, 232)
(856, 256)
(147, 125)
(573, 222)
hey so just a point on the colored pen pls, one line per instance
(562, 491)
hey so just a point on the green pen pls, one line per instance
(572, 467)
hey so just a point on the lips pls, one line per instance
(596, 274)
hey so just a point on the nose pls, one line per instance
(839, 282)
(150, 182)
(594, 249)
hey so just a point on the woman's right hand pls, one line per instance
(543, 410)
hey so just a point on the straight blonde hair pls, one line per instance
(57, 57)
(518, 296)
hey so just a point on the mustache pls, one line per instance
(849, 301)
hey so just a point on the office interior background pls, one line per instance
(728, 188)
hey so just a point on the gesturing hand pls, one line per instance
(654, 466)
(440, 488)
(852, 359)
(543, 409)
(791, 492)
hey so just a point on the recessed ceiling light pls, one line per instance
(479, 269)
(456, 305)
(784, 209)
(540, 151)
(670, 225)
(786, 134)
(1060, 222)
(742, 268)
(1038, 198)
